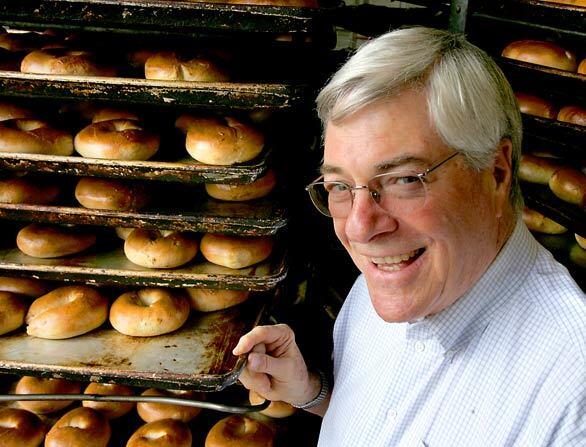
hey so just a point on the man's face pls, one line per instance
(415, 263)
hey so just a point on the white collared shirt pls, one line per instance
(505, 365)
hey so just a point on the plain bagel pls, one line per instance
(117, 139)
(38, 385)
(111, 410)
(209, 300)
(569, 185)
(160, 249)
(534, 105)
(30, 136)
(149, 312)
(541, 53)
(573, 114)
(12, 312)
(109, 194)
(536, 221)
(238, 193)
(10, 111)
(24, 190)
(276, 409)
(220, 141)
(235, 252)
(60, 61)
(52, 241)
(238, 430)
(536, 169)
(24, 286)
(80, 427)
(151, 411)
(170, 66)
(20, 428)
(163, 433)
(66, 312)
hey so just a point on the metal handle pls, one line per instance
(155, 399)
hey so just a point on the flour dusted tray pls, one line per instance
(197, 356)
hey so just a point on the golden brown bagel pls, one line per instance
(24, 286)
(25, 190)
(52, 241)
(582, 66)
(37, 385)
(237, 193)
(238, 430)
(12, 312)
(29, 136)
(151, 411)
(581, 241)
(109, 194)
(569, 185)
(217, 141)
(80, 427)
(536, 221)
(573, 114)
(111, 410)
(160, 249)
(10, 111)
(118, 139)
(60, 61)
(66, 312)
(276, 409)
(169, 66)
(534, 105)
(209, 300)
(163, 433)
(149, 312)
(581, 3)
(541, 53)
(123, 232)
(109, 113)
(235, 252)
(536, 169)
(20, 428)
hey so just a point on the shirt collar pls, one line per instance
(472, 312)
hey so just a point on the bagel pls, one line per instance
(209, 300)
(572, 114)
(163, 433)
(235, 251)
(109, 113)
(24, 286)
(541, 53)
(118, 139)
(582, 66)
(536, 221)
(151, 411)
(221, 142)
(277, 409)
(534, 105)
(23, 190)
(149, 312)
(160, 249)
(20, 428)
(59, 61)
(10, 111)
(52, 241)
(123, 232)
(111, 410)
(238, 430)
(170, 66)
(569, 185)
(238, 193)
(581, 241)
(37, 385)
(80, 427)
(108, 194)
(536, 169)
(66, 312)
(12, 312)
(31, 136)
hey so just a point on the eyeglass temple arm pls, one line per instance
(433, 168)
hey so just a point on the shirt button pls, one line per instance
(419, 346)
(392, 414)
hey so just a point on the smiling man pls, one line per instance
(461, 330)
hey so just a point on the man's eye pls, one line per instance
(406, 180)
(334, 188)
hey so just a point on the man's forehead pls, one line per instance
(404, 159)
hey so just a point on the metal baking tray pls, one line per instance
(261, 218)
(536, 14)
(540, 198)
(186, 170)
(113, 268)
(229, 95)
(558, 137)
(197, 356)
(147, 16)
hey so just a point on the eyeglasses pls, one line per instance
(402, 191)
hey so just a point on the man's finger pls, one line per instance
(261, 335)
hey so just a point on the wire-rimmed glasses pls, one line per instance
(402, 191)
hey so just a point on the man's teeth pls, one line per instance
(394, 259)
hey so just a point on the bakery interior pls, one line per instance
(107, 228)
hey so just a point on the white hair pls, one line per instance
(469, 99)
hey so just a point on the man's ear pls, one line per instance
(502, 173)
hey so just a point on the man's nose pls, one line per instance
(367, 218)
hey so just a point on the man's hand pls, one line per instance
(276, 369)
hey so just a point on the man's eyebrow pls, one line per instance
(385, 166)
